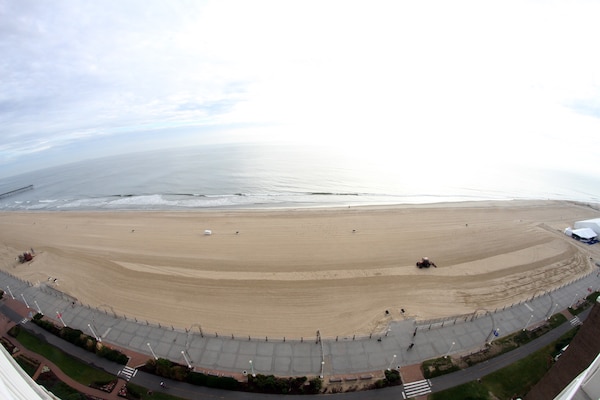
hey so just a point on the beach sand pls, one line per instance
(289, 273)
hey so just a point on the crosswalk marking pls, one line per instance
(418, 388)
(127, 373)
(576, 321)
(24, 321)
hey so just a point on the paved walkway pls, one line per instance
(6, 323)
(342, 357)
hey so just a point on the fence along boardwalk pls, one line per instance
(16, 191)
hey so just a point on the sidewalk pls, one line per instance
(6, 323)
(333, 357)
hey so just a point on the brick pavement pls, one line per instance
(6, 324)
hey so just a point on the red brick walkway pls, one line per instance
(6, 324)
(412, 373)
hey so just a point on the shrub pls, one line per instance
(314, 386)
(112, 355)
(272, 384)
(196, 378)
(105, 386)
(392, 376)
(72, 335)
(150, 366)
(200, 379)
(47, 325)
(134, 391)
(226, 383)
(267, 384)
(438, 366)
(163, 367)
(58, 388)
(14, 331)
(179, 373)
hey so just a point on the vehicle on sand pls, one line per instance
(426, 263)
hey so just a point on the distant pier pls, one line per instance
(16, 191)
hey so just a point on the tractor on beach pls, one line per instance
(426, 263)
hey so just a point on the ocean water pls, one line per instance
(276, 176)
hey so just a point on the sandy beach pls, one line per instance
(292, 272)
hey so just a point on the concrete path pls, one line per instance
(328, 357)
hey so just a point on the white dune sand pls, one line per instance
(292, 272)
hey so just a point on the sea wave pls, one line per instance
(251, 176)
(170, 201)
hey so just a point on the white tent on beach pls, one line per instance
(583, 234)
(593, 224)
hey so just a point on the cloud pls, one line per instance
(363, 74)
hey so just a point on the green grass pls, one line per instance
(79, 371)
(438, 366)
(61, 390)
(468, 391)
(158, 394)
(28, 366)
(519, 377)
(515, 380)
(75, 369)
(557, 320)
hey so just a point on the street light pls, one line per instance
(576, 294)
(59, 315)
(186, 359)
(10, 291)
(391, 362)
(24, 301)
(38, 307)
(152, 351)
(496, 333)
(527, 324)
(252, 369)
(552, 312)
(449, 350)
(98, 338)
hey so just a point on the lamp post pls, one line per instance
(449, 350)
(322, 367)
(571, 305)
(59, 315)
(527, 324)
(98, 338)
(391, 362)
(24, 301)
(38, 307)
(10, 291)
(189, 364)
(252, 369)
(554, 309)
(152, 351)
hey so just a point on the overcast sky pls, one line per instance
(485, 80)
